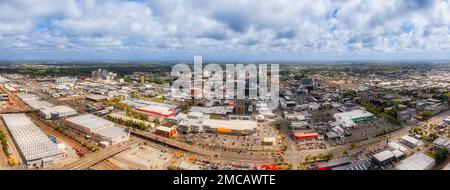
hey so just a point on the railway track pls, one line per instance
(174, 143)
(97, 157)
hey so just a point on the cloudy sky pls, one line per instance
(225, 29)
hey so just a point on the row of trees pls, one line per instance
(129, 123)
(4, 143)
(137, 115)
(389, 115)
(441, 155)
(327, 156)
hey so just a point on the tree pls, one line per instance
(4, 143)
(290, 166)
(345, 153)
(441, 155)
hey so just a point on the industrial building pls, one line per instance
(418, 161)
(348, 119)
(35, 147)
(384, 157)
(100, 130)
(34, 101)
(56, 112)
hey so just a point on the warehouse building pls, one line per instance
(384, 157)
(152, 108)
(418, 161)
(99, 129)
(35, 147)
(411, 141)
(34, 101)
(397, 146)
(348, 119)
(56, 112)
(168, 132)
(157, 110)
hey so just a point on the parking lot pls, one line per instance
(370, 129)
(235, 142)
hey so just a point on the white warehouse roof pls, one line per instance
(418, 161)
(91, 122)
(112, 132)
(34, 101)
(32, 142)
(63, 111)
(384, 155)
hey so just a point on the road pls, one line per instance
(298, 156)
(97, 157)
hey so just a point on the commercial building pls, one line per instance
(263, 110)
(418, 161)
(168, 132)
(384, 157)
(308, 134)
(190, 125)
(397, 146)
(269, 141)
(100, 130)
(406, 114)
(447, 120)
(9, 87)
(66, 79)
(411, 141)
(220, 111)
(35, 147)
(335, 163)
(447, 167)
(348, 119)
(157, 110)
(441, 143)
(237, 127)
(56, 112)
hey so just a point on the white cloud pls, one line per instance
(225, 27)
